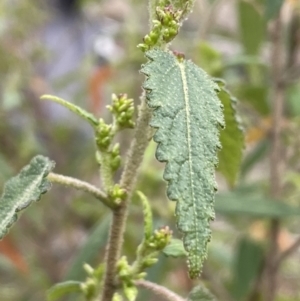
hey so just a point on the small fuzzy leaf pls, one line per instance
(20, 191)
(61, 289)
(175, 248)
(200, 293)
(75, 109)
(187, 114)
(232, 138)
(148, 223)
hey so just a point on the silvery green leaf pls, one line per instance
(187, 114)
(20, 191)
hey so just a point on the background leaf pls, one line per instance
(201, 293)
(188, 114)
(252, 27)
(63, 288)
(272, 8)
(248, 261)
(231, 138)
(253, 203)
(20, 191)
(89, 251)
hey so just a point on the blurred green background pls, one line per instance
(85, 50)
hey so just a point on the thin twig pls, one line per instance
(159, 290)
(278, 94)
(284, 255)
(128, 180)
(80, 185)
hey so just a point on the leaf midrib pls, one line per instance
(188, 126)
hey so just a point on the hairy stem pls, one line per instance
(159, 290)
(80, 185)
(128, 180)
(278, 94)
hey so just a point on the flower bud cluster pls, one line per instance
(122, 108)
(117, 194)
(90, 288)
(160, 238)
(165, 28)
(104, 135)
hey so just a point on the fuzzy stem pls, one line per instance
(80, 185)
(128, 180)
(278, 94)
(159, 290)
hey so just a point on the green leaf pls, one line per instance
(89, 251)
(255, 95)
(255, 156)
(248, 261)
(252, 27)
(293, 96)
(63, 288)
(200, 293)
(232, 138)
(20, 191)
(93, 121)
(209, 59)
(272, 8)
(187, 114)
(175, 248)
(253, 204)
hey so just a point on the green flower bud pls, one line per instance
(148, 262)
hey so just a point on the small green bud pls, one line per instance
(115, 163)
(147, 40)
(143, 47)
(141, 275)
(116, 150)
(148, 262)
(117, 297)
(88, 269)
(117, 194)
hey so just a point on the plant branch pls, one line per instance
(278, 94)
(80, 185)
(128, 180)
(284, 255)
(159, 290)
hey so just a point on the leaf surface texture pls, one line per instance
(20, 191)
(187, 115)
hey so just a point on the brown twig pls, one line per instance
(159, 290)
(284, 255)
(134, 159)
(277, 94)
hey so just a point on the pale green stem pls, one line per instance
(80, 185)
(128, 180)
(159, 290)
(105, 171)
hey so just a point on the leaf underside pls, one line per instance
(20, 191)
(232, 138)
(187, 115)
